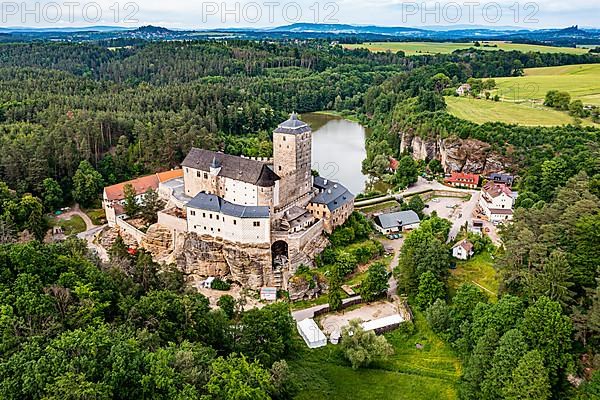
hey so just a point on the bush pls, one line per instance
(219, 284)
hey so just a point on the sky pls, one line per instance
(200, 14)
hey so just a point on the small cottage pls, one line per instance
(463, 250)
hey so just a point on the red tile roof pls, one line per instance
(168, 175)
(141, 185)
(393, 164)
(495, 189)
(462, 178)
(465, 244)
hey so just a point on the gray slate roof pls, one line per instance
(234, 167)
(211, 202)
(502, 178)
(333, 194)
(397, 219)
(293, 125)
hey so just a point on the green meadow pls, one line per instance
(417, 48)
(416, 374)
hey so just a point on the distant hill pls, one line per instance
(347, 33)
(346, 29)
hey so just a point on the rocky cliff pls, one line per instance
(455, 154)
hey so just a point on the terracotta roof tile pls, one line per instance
(168, 175)
(459, 177)
(141, 185)
(496, 189)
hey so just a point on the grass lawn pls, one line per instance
(346, 115)
(379, 207)
(301, 304)
(71, 226)
(417, 48)
(478, 270)
(481, 111)
(582, 81)
(412, 374)
(97, 216)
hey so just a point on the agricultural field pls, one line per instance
(419, 48)
(411, 373)
(530, 114)
(581, 81)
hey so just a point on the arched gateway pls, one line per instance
(279, 254)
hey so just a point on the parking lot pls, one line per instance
(457, 210)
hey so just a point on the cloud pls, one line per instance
(264, 13)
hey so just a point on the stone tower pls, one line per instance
(292, 146)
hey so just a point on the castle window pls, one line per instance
(198, 174)
(203, 215)
(217, 217)
(256, 223)
(205, 175)
(284, 138)
(210, 215)
(235, 222)
(193, 212)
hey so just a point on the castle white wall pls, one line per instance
(238, 192)
(241, 230)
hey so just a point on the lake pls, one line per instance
(338, 149)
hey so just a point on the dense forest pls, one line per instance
(71, 328)
(139, 109)
(74, 117)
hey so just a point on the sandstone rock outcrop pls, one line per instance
(248, 265)
(455, 154)
(304, 288)
(158, 239)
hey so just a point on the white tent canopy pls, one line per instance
(310, 332)
(382, 322)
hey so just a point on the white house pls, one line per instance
(496, 202)
(463, 89)
(397, 222)
(462, 250)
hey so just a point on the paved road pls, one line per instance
(463, 213)
(300, 315)
(89, 235)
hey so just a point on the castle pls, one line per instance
(252, 220)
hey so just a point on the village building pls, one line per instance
(463, 180)
(400, 221)
(113, 197)
(502, 178)
(463, 250)
(496, 202)
(333, 203)
(254, 220)
(463, 89)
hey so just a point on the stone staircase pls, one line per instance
(278, 278)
